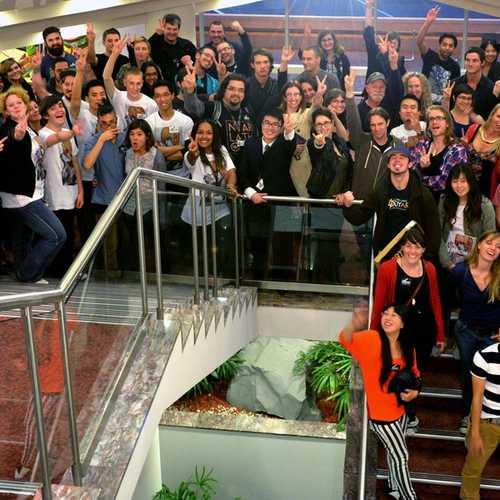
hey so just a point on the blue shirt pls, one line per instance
(109, 168)
(475, 310)
(47, 64)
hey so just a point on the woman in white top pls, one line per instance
(210, 163)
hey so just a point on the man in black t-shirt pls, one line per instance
(110, 37)
(398, 199)
(439, 67)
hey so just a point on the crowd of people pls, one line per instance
(421, 150)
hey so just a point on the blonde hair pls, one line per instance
(449, 135)
(426, 99)
(487, 124)
(472, 260)
(17, 91)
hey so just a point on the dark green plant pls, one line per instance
(202, 487)
(328, 367)
(224, 373)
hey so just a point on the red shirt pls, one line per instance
(366, 348)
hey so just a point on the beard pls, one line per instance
(56, 50)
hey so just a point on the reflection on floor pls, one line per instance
(101, 319)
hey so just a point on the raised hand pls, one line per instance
(349, 83)
(287, 54)
(160, 27)
(186, 60)
(359, 319)
(91, 36)
(307, 30)
(383, 44)
(110, 134)
(21, 127)
(189, 81)
(36, 59)
(193, 146)
(78, 127)
(120, 45)
(319, 139)
(221, 68)
(321, 86)
(289, 124)
(393, 58)
(425, 158)
(448, 91)
(81, 62)
(432, 14)
(237, 27)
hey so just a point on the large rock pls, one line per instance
(266, 382)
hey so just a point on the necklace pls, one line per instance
(487, 141)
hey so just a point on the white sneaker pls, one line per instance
(464, 425)
(41, 281)
(21, 472)
(394, 494)
(412, 425)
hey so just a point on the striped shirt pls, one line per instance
(486, 366)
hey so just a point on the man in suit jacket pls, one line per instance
(265, 169)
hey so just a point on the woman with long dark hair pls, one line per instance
(475, 283)
(464, 215)
(151, 73)
(210, 163)
(12, 74)
(384, 355)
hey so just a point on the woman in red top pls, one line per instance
(411, 280)
(381, 355)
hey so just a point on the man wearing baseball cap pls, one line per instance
(397, 199)
(382, 92)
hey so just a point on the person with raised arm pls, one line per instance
(378, 61)
(439, 67)
(228, 110)
(130, 103)
(168, 49)
(22, 185)
(110, 37)
(384, 355)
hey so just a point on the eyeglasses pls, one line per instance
(269, 124)
(323, 124)
(436, 118)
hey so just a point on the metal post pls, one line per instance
(236, 245)
(156, 229)
(464, 38)
(204, 242)
(364, 424)
(215, 291)
(287, 23)
(242, 235)
(201, 27)
(68, 386)
(194, 235)
(142, 251)
(37, 400)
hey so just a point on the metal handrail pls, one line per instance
(82, 259)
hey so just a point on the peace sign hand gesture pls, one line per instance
(383, 44)
(193, 147)
(322, 88)
(189, 81)
(288, 124)
(448, 91)
(221, 68)
(319, 139)
(425, 159)
(349, 83)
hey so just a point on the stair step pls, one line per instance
(442, 479)
(443, 435)
(441, 392)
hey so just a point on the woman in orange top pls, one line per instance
(382, 355)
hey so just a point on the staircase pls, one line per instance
(437, 450)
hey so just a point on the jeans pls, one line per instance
(468, 342)
(40, 236)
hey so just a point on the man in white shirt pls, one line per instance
(131, 103)
(412, 129)
(63, 184)
(171, 128)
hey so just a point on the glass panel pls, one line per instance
(304, 243)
